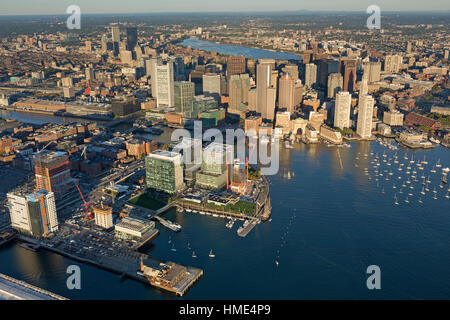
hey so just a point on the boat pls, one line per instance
(194, 255)
(423, 191)
(420, 200)
(230, 224)
(396, 200)
(382, 191)
(406, 200)
(444, 179)
(173, 248)
(276, 262)
(447, 196)
(211, 254)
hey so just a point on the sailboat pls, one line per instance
(173, 248)
(194, 255)
(396, 200)
(447, 196)
(420, 200)
(438, 165)
(276, 262)
(423, 191)
(211, 254)
(406, 200)
(382, 191)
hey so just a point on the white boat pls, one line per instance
(438, 165)
(194, 255)
(211, 254)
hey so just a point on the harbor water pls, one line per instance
(329, 223)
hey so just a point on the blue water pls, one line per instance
(335, 221)
(235, 50)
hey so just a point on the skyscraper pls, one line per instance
(164, 85)
(373, 70)
(239, 87)
(52, 172)
(164, 170)
(392, 63)
(132, 38)
(335, 84)
(348, 71)
(34, 213)
(365, 114)
(310, 74)
(212, 85)
(115, 35)
(184, 93)
(235, 65)
(286, 93)
(342, 110)
(263, 82)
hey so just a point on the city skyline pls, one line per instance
(27, 7)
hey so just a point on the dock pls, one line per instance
(13, 289)
(168, 224)
(245, 230)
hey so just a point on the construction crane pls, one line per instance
(86, 205)
(39, 151)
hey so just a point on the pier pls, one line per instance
(13, 289)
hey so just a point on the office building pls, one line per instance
(34, 214)
(132, 38)
(393, 118)
(365, 114)
(239, 88)
(310, 74)
(216, 157)
(286, 93)
(52, 172)
(164, 171)
(165, 85)
(212, 85)
(342, 110)
(335, 84)
(236, 65)
(265, 93)
(348, 71)
(184, 93)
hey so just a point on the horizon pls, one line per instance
(50, 7)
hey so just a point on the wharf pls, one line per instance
(243, 231)
(13, 289)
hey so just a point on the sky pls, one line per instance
(25, 7)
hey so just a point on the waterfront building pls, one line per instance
(34, 213)
(134, 229)
(164, 171)
(365, 114)
(393, 118)
(342, 110)
(214, 169)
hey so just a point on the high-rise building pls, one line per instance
(325, 68)
(335, 84)
(263, 83)
(239, 87)
(286, 93)
(132, 38)
(372, 70)
(115, 36)
(212, 85)
(342, 110)
(292, 70)
(236, 65)
(348, 71)
(103, 216)
(164, 85)
(184, 93)
(310, 74)
(164, 171)
(393, 63)
(215, 159)
(52, 172)
(90, 75)
(408, 46)
(365, 114)
(34, 213)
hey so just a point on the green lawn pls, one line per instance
(148, 202)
